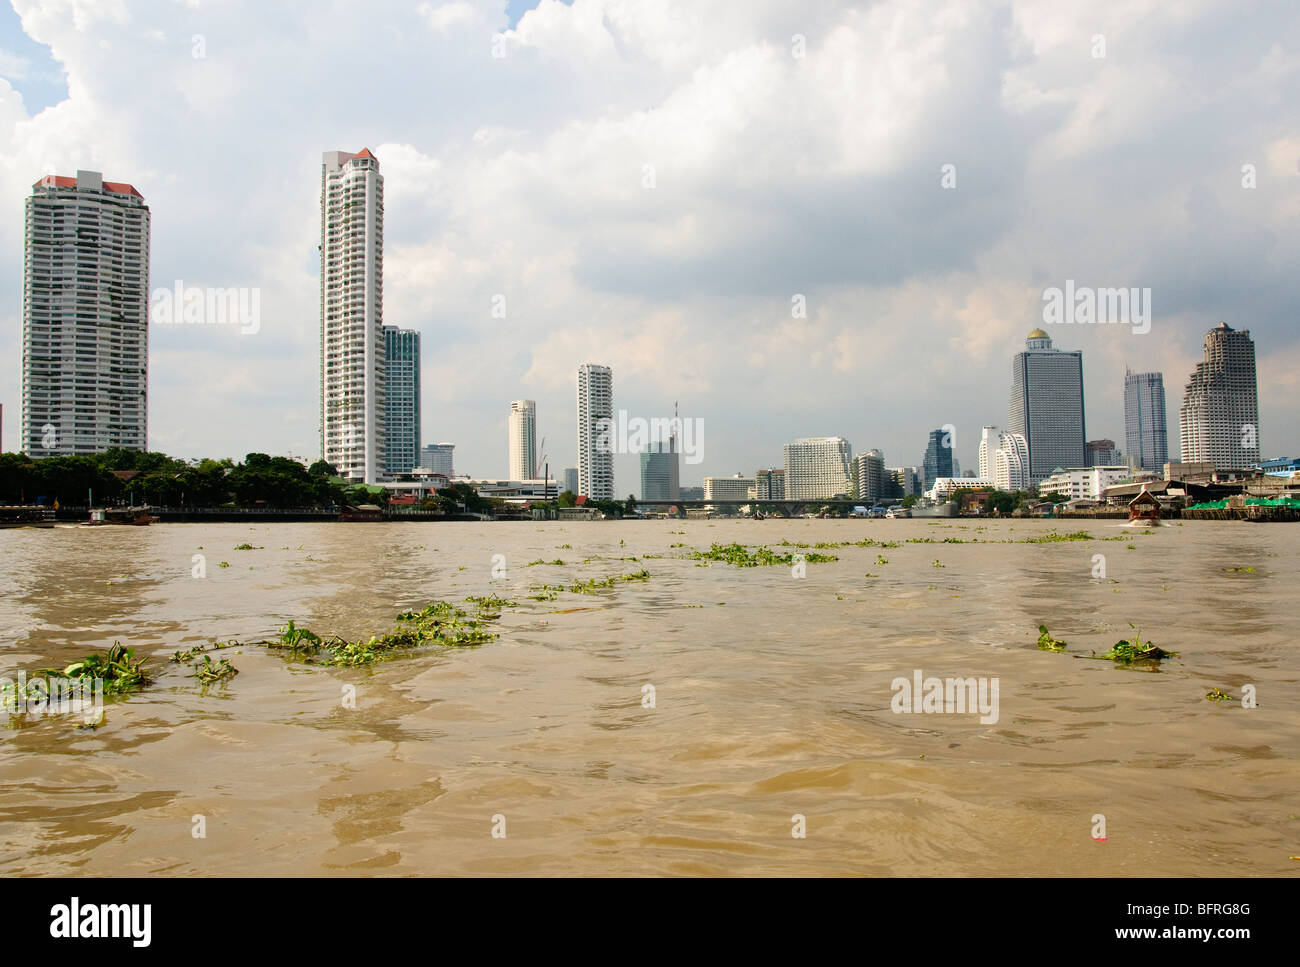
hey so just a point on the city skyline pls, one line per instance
(868, 335)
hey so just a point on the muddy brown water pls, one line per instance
(772, 699)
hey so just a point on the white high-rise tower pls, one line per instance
(85, 348)
(1219, 419)
(595, 445)
(352, 349)
(523, 439)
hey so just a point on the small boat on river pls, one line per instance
(1144, 509)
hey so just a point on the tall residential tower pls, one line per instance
(595, 445)
(85, 367)
(523, 440)
(352, 347)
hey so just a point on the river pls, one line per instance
(543, 752)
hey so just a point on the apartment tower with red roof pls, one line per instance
(85, 349)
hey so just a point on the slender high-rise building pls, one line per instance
(595, 443)
(523, 440)
(1145, 436)
(938, 460)
(769, 484)
(352, 349)
(990, 437)
(85, 368)
(1047, 405)
(571, 480)
(869, 476)
(1219, 419)
(401, 400)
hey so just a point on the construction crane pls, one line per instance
(537, 464)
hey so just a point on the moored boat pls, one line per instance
(134, 516)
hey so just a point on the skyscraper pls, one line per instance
(523, 440)
(905, 481)
(1101, 453)
(439, 457)
(1011, 463)
(1219, 420)
(595, 446)
(1145, 435)
(938, 461)
(401, 400)
(989, 437)
(661, 472)
(818, 468)
(571, 480)
(1047, 405)
(85, 367)
(351, 315)
(870, 478)
(769, 484)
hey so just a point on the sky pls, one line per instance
(657, 185)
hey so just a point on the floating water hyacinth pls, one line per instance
(117, 668)
(741, 556)
(1137, 650)
(1046, 642)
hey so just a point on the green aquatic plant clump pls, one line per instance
(1046, 642)
(437, 624)
(207, 671)
(489, 606)
(1052, 537)
(1218, 695)
(187, 656)
(741, 556)
(1128, 652)
(299, 641)
(118, 668)
(595, 584)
